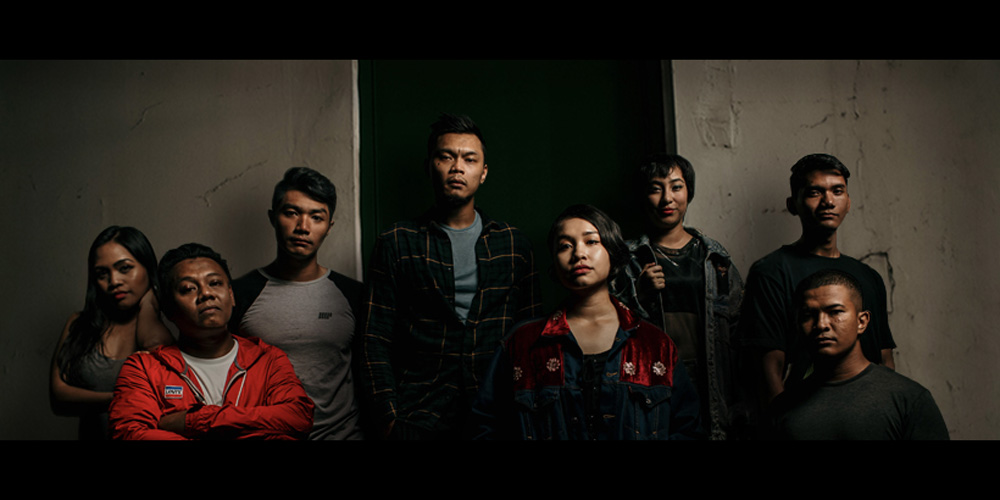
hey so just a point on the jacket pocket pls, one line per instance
(646, 412)
(540, 413)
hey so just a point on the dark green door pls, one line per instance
(557, 133)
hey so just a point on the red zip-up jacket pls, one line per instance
(263, 398)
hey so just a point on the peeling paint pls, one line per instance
(227, 180)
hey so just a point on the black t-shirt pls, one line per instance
(767, 320)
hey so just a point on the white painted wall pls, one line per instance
(183, 150)
(920, 139)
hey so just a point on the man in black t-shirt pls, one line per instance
(820, 200)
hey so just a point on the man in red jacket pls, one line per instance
(211, 384)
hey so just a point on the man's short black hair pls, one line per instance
(170, 259)
(812, 163)
(314, 184)
(448, 123)
(660, 165)
(825, 277)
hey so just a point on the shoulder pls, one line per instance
(895, 381)
(251, 280)
(861, 270)
(345, 283)
(403, 227)
(525, 332)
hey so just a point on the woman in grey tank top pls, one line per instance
(120, 316)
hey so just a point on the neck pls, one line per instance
(455, 217)
(675, 237)
(288, 269)
(592, 303)
(843, 368)
(823, 244)
(206, 346)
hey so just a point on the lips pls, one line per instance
(578, 270)
(119, 295)
(456, 182)
(300, 242)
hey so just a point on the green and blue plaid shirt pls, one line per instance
(422, 364)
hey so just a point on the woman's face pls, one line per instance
(580, 258)
(119, 275)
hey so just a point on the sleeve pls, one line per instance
(377, 378)
(764, 312)
(493, 406)
(531, 302)
(246, 289)
(135, 411)
(685, 409)
(625, 288)
(924, 420)
(885, 340)
(286, 412)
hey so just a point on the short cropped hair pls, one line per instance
(811, 163)
(660, 165)
(448, 123)
(825, 277)
(607, 228)
(173, 257)
(314, 184)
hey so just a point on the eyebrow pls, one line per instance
(300, 209)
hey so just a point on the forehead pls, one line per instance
(301, 200)
(575, 227)
(111, 252)
(673, 175)
(197, 267)
(829, 295)
(460, 143)
(824, 178)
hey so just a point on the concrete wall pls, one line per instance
(920, 139)
(183, 150)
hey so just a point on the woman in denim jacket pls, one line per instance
(686, 284)
(593, 369)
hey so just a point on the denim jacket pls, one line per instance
(723, 295)
(533, 388)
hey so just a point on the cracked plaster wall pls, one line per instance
(919, 138)
(183, 150)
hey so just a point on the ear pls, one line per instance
(486, 170)
(864, 317)
(790, 205)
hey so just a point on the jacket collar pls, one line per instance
(557, 325)
(713, 247)
(249, 350)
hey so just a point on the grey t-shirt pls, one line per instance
(463, 251)
(313, 323)
(876, 404)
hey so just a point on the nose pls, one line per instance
(457, 166)
(205, 294)
(115, 278)
(827, 199)
(301, 225)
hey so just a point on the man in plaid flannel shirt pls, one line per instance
(443, 290)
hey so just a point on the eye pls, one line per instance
(318, 218)
(185, 289)
(290, 213)
(124, 268)
(677, 187)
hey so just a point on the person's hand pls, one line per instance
(173, 422)
(652, 279)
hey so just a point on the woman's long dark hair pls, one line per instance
(85, 332)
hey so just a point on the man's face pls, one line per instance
(831, 320)
(823, 202)
(300, 224)
(203, 299)
(457, 168)
(667, 200)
